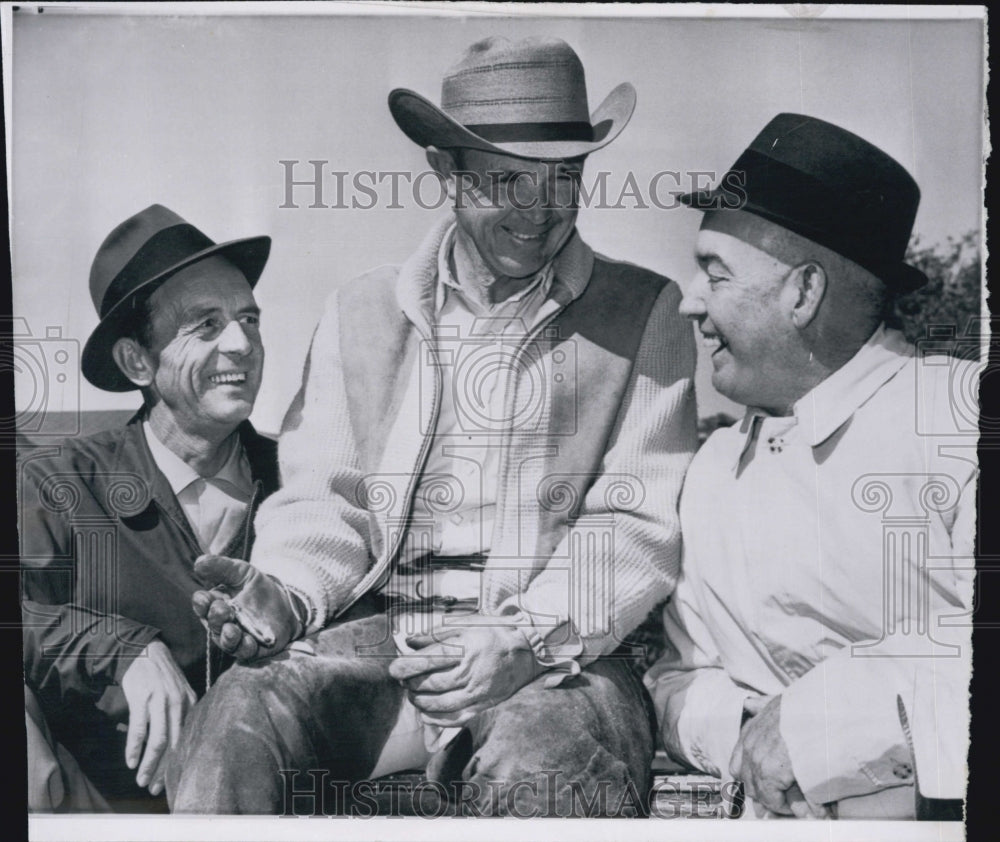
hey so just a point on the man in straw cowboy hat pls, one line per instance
(819, 651)
(480, 475)
(110, 637)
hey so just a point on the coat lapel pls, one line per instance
(135, 457)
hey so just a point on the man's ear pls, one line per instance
(808, 286)
(135, 362)
(443, 163)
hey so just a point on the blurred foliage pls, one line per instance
(949, 305)
(946, 310)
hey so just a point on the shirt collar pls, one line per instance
(179, 474)
(571, 268)
(236, 470)
(832, 403)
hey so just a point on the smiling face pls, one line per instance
(517, 212)
(205, 348)
(741, 302)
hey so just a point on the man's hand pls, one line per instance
(247, 612)
(459, 672)
(760, 760)
(159, 698)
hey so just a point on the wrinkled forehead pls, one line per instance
(213, 279)
(761, 234)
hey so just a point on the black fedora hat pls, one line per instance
(132, 262)
(830, 186)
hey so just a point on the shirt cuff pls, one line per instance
(302, 606)
(701, 724)
(134, 639)
(559, 659)
(843, 733)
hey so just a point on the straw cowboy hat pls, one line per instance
(830, 186)
(136, 258)
(525, 98)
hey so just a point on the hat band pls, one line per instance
(166, 248)
(868, 232)
(532, 132)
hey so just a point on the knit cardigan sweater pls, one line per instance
(586, 538)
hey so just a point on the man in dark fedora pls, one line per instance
(479, 483)
(817, 646)
(113, 522)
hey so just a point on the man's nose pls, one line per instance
(234, 340)
(534, 199)
(693, 304)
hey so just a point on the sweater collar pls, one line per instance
(417, 286)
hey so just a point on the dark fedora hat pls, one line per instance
(524, 98)
(830, 186)
(134, 260)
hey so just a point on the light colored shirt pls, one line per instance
(454, 503)
(215, 506)
(455, 499)
(821, 552)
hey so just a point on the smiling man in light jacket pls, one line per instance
(818, 641)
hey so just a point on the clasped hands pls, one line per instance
(460, 671)
(761, 761)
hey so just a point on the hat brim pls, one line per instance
(427, 125)
(249, 255)
(901, 277)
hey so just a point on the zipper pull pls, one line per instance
(208, 658)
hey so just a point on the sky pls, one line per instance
(113, 112)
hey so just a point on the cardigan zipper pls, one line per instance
(375, 575)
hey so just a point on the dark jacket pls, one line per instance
(107, 563)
